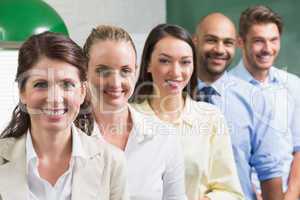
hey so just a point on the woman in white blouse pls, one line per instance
(43, 156)
(155, 165)
(165, 87)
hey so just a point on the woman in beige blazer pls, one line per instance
(42, 154)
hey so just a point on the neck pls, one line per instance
(115, 126)
(260, 75)
(52, 145)
(109, 118)
(168, 108)
(207, 77)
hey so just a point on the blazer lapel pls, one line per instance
(13, 182)
(88, 172)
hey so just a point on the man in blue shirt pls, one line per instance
(255, 142)
(259, 38)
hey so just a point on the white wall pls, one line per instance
(136, 16)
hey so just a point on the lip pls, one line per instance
(114, 93)
(174, 84)
(264, 58)
(54, 115)
(217, 61)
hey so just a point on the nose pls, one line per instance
(175, 69)
(55, 95)
(115, 80)
(219, 48)
(267, 47)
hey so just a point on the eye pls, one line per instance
(186, 62)
(274, 40)
(68, 85)
(164, 61)
(105, 72)
(210, 40)
(126, 71)
(229, 43)
(40, 84)
(258, 41)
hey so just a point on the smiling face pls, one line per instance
(52, 94)
(111, 73)
(261, 46)
(171, 66)
(215, 42)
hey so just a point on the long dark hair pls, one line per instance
(144, 85)
(52, 46)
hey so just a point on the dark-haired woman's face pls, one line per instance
(52, 94)
(171, 66)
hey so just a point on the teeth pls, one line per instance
(264, 58)
(54, 112)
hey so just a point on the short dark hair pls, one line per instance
(53, 46)
(144, 85)
(258, 15)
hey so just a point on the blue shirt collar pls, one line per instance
(243, 73)
(219, 85)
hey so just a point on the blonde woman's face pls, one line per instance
(111, 73)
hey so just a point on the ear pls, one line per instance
(83, 91)
(22, 97)
(149, 68)
(240, 42)
(195, 40)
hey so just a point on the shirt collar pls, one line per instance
(243, 73)
(186, 114)
(77, 148)
(142, 129)
(219, 85)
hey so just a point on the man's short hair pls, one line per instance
(258, 15)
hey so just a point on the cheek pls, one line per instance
(128, 83)
(35, 100)
(188, 72)
(74, 100)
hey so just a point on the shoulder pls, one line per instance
(201, 110)
(8, 147)
(289, 80)
(94, 145)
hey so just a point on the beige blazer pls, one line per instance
(101, 176)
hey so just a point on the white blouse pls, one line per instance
(40, 188)
(154, 160)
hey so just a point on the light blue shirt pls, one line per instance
(282, 90)
(255, 143)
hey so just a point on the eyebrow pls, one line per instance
(108, 67)
(164, 54)
(216, 37)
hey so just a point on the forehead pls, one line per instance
(218, 28)
(49, 68)
(112, 53)
(172, 46)
(263, 30)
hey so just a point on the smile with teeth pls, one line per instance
(264, 58)
(173, 83)
(54, 112)
(114, 93)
